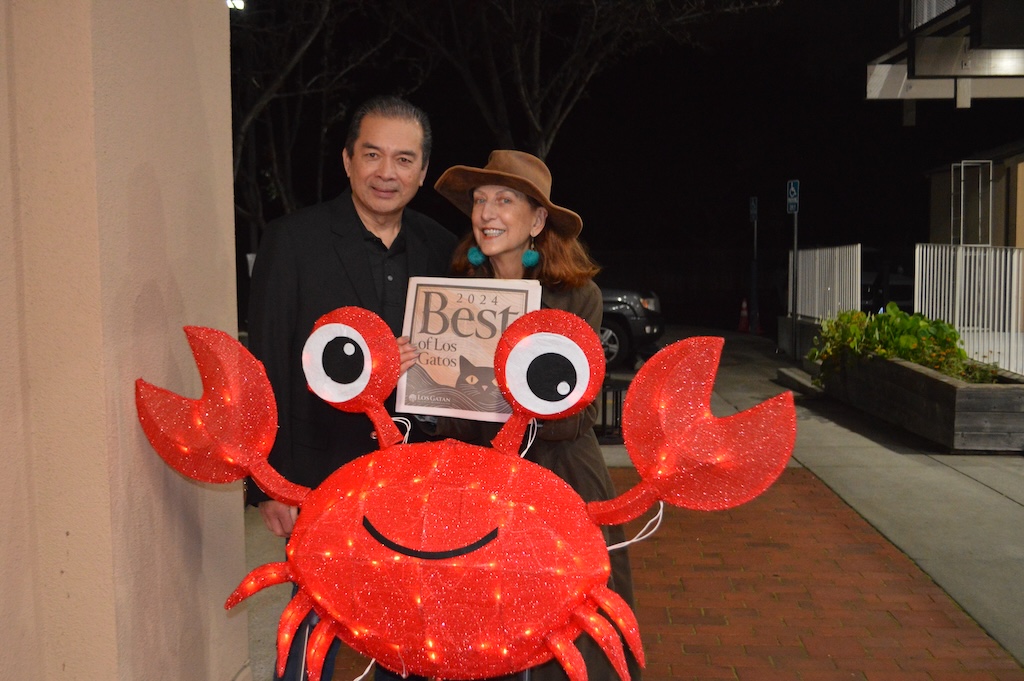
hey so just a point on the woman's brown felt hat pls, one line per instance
(508, 168)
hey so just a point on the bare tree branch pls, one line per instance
(296, 66)
(270, 91)
(527, 63)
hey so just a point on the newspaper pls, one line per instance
(456, 324)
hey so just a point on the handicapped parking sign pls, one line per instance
(793, 196)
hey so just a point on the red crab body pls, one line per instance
(448, 533)
(451, 560)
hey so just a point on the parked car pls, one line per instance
(632, 323)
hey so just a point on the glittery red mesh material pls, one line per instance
(427, 602)
(450, 560)
(218, 437)
(692, 458)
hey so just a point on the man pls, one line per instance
(358, 249)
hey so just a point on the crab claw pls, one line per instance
(684, 454)
(227, 433)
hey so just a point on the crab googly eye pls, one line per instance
(547, 373)
(336, 361)
(551, 364)
(351, 354)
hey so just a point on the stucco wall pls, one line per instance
(115, 231)
(1005, 211)
(18, 651)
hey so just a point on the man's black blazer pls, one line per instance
(309, 263)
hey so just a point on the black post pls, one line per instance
(796, 272)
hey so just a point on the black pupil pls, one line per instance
(343, 360)
(547, 372)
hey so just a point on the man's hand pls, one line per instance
(279, 518)
(407, 353)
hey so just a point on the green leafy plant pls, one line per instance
(853, 335)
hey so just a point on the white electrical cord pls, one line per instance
(531, 435)
(645, 532)
(402, 421)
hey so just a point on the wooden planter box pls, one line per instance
(961, 417)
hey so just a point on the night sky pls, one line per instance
(669, 147)
(662, 155)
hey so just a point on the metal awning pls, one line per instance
(973, 50)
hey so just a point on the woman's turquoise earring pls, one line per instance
(476, 257)
(530, 256)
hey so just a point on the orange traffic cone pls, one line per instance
(744, 318)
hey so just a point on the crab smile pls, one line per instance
(429, 555)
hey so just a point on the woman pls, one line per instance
(518, 233)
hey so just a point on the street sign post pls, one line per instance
(793, 196)
(793, 208)
(755, 323)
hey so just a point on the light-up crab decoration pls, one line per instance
(451, 560)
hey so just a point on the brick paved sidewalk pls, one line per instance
(793, 586)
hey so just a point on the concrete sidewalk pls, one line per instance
(874, 556)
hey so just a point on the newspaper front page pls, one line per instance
(455, 324)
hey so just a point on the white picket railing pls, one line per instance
(828, 281)
(978, 290)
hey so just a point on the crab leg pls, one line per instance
(227, 433)
(620, 612)
(269, 575)
(563, 648)
(259, 579)
(298, 607)
(605, 635)
(684, 454)
(323, 636)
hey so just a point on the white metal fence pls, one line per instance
(828, 281)
(977, 289)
